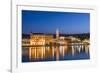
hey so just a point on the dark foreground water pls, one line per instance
(77, 56)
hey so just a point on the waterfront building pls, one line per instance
(87, 45)
(25, 40)
(40, 45)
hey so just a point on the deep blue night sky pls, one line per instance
(48, 22)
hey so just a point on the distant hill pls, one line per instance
(80, 36)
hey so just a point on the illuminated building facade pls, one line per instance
(40, 43)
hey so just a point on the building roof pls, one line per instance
(41, 34)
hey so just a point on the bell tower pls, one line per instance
(57, 34)
(57, 45)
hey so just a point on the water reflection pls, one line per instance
(56, 52)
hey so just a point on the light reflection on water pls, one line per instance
(54, 53)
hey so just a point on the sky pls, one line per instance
(49, 22)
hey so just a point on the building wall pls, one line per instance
(38, 39)
(25, 41)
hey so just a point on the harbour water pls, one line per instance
(55, 53)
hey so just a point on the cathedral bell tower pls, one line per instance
(57, 34)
